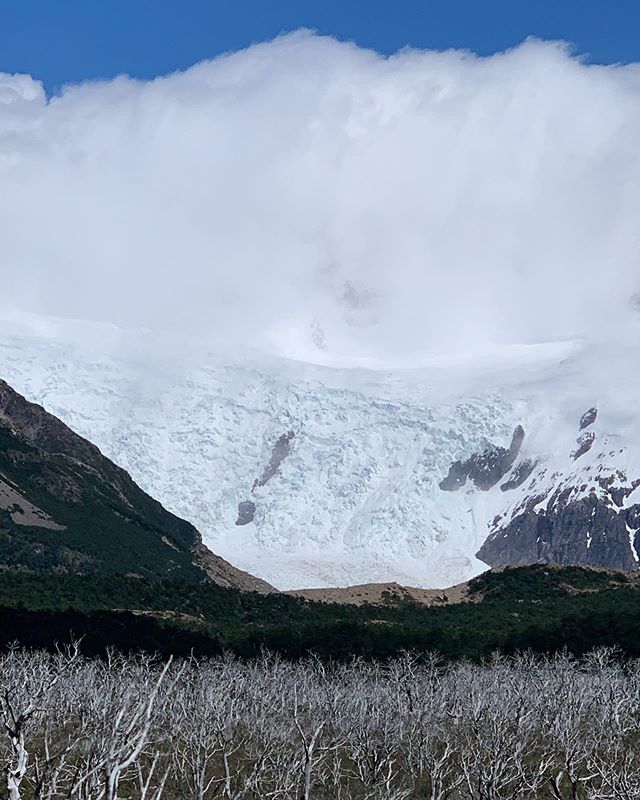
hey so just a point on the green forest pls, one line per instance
(537, 608)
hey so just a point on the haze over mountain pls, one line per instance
(313, 279)
(410, 204)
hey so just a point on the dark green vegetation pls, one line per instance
(539, 608)
(100, 521)
(66, 508)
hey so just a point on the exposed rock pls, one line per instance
(281, 449)
(224, 574)
(588, 418)
(246, 512)
(516, 440)
(585, 443)
(456, 478)
(23, 512)
(520, 473)
(484, 469)
(618, 494)
(589, 530)
(279, 452)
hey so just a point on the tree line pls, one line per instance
(537, 608)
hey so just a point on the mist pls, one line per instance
(306, 194)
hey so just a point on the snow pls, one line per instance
(632, 536)
(357, 499)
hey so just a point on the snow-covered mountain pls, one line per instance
(424, 269)
(335, 474)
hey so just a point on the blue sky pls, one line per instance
(61, 41)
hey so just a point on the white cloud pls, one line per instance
(428, 201)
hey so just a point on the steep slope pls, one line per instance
(583, 508)
(334, 475)
(65, 507)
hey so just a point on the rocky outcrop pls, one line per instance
(246, 512)
(485, 469)
(225, 574)
(580, 518)
(279, 451)
(520, 473)
(588, 418)
(581, 515)
(590, 530)
(585, 443)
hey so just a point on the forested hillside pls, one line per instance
(541, 608)
(66, 508)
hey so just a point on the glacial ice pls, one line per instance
(357, 499)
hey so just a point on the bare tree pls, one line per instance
(523, 728)
(28, 681)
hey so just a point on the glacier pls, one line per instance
(357, 498)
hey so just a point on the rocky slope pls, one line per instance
(588, 513)
(64, 507)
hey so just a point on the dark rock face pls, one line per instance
(585, 440)
(484, 469)
(520, 473)
(590, 530)
(457, 477)
(588, 418)
(246, 512)
(574, 518)
(280, 450)
(585, 443)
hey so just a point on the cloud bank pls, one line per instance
(306, 189)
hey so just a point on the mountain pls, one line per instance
(64, 507)
(337, 473)
(587, 514)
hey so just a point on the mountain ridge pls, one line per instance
(65, 507)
